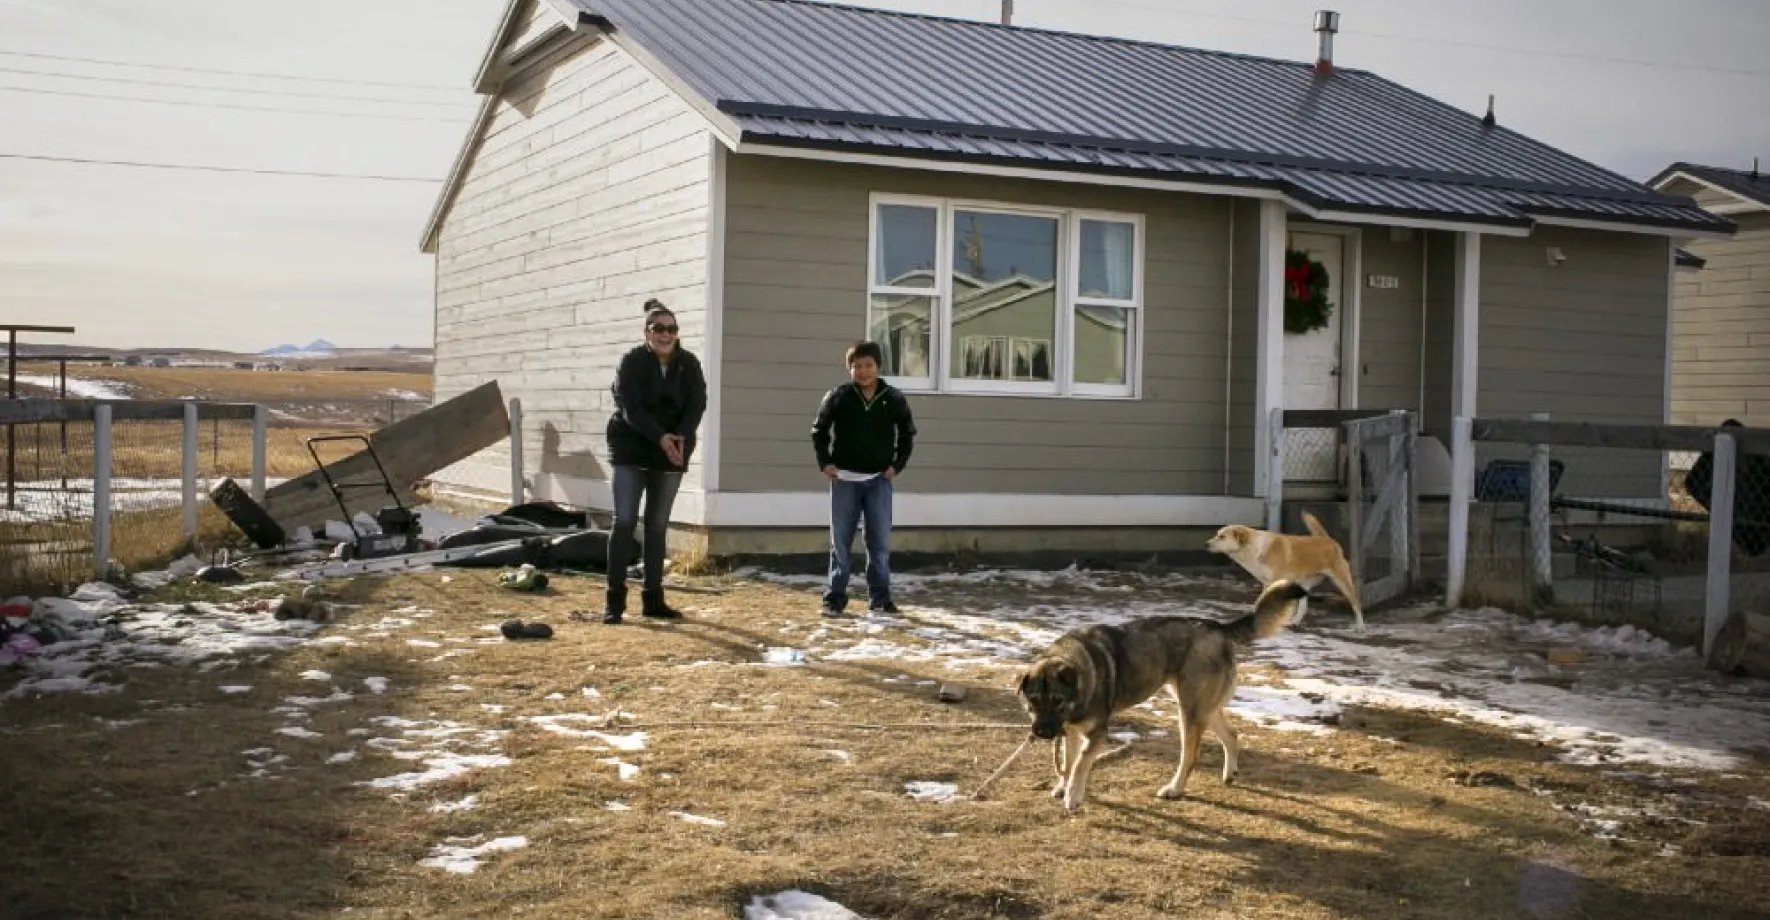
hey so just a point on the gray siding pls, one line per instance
(1721, 330)
(1389, 330)
(587, 193)
(795, 296)
(1584, 341)
(1441, 281)
(1244, 340)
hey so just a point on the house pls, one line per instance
(1073, 247)
(1721, 308)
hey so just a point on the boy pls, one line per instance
(869, 421)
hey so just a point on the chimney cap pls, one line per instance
(1327, 21)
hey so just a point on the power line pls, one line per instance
(220, 89)
(230, 73)
(218, 169)
(227, 105)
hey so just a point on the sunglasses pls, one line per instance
(661, 328)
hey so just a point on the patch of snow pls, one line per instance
(614, 805)
(449, 808)
(296, 731)
(108, 633)
(627, 770)
(697, 819)
(341, 757)
(464, 860)
(442, 765)
(555, 723)
(78, 387)
(236, 688)
(376, 685)
(794, 904)
(315, 675)
(783, 657)
(923, 791)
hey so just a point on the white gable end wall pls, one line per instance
(588, 192)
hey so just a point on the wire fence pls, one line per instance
(47, 521)
(1662, 528)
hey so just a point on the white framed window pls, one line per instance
(991, 298)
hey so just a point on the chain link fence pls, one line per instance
(1589, 522)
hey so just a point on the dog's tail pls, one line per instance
(1314, 526)
(1272, 612)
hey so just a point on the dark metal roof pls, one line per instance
(1687, 259)
(823, 75)
(1752, 186)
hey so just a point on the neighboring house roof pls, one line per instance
(1752, 186)
(819, 75)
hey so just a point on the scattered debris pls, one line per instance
(525, 578)
(951, 693)
(412, 448)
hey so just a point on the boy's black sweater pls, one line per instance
(869, 435)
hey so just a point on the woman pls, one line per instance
(660, 395)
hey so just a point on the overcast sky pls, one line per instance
(140, 257)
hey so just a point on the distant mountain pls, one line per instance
(315, 348)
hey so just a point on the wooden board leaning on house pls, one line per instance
(410, 449)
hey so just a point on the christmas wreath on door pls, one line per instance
(1306, 304)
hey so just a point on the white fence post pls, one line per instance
(190, 468)
(1275, 473)
(1720, 585)
(1462, 492)
(1542, 575)
(517, 492)
(101, 490)
(260, 433)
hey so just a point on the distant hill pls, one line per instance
(318, 348)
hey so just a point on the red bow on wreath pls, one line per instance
(1297, 278)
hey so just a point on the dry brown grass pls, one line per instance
(153, 818)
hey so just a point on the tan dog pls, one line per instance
(1092, 673)
(1271, 556)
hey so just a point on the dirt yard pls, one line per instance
(204, 761)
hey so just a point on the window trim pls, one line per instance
(929, 383)
(1133, 385)
(940, 380)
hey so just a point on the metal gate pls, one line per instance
(1382, 505)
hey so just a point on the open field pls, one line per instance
(407, 762)
(230, 385)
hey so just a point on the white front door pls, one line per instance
(1312, 368)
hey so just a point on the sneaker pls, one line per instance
(886, 607)
(832, 611)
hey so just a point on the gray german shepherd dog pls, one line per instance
(1092, 673)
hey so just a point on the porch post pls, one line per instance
(1466, 333)
(1269, 344)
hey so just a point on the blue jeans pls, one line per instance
(849, 502)
(659, 488)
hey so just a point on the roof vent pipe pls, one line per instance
(1327, 22)
(1007, 12)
